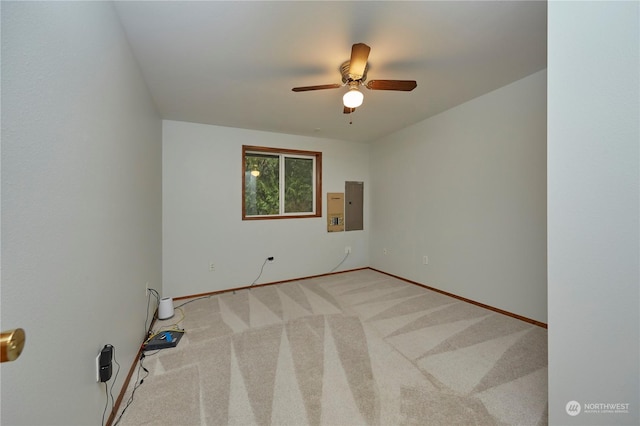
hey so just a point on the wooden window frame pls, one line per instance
(279, 151)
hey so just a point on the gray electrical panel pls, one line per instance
(354, 205)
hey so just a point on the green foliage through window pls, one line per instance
(262, 185)
(298, 184)
(280, 183)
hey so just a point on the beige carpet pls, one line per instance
(348, 349)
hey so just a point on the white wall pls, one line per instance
(594, 186)
(467, 188)
(202, 217)
(81, 206)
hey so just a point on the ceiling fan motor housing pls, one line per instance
(354, 73)
(346, 77)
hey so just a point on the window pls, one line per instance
(280, 183)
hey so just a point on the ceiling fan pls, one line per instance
(354, 74)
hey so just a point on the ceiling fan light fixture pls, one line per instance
(353, 98)
(354, 74)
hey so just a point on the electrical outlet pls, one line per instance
(347, 249)
(425, 260)
(98, 368)
(212, 267)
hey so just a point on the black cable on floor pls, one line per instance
(260, 274)
(341, 262)
(106, 404)
(139, 383)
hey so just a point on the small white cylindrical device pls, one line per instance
(165, 309)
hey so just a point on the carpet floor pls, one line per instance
(356, 348)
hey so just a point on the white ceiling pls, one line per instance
(234, 63)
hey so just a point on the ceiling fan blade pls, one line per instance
(320, 87)
(358, 62)
(348, 110)
(404, 85)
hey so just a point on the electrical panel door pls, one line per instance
(354, 205)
